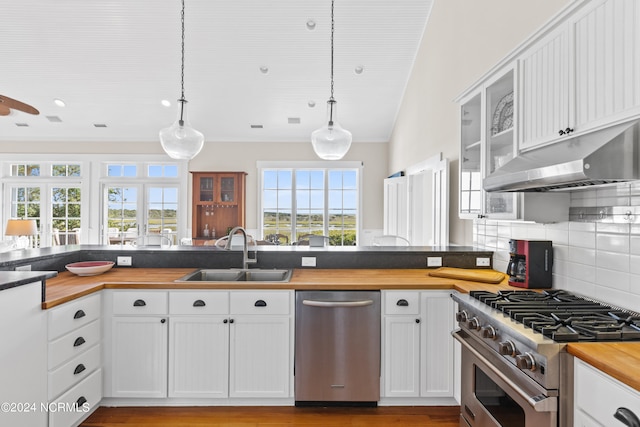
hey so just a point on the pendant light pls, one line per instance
(180, 140)
(331, 141)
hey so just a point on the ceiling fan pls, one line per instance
(6, 104)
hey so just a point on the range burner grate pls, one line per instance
(563, 316)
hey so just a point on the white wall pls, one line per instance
(242, 156)
(463, 40)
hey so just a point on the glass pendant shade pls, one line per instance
(331, 142)
(180, 140)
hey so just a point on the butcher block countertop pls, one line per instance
(618, 359)
(67, 286)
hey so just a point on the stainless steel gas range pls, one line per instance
(515, 368)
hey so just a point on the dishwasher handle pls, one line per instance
(314, 303)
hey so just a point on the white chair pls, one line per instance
(153, 240)
(389, 240)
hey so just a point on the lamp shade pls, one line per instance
(180, 140)
(331, 142)
(21, 227)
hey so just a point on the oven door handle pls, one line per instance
(540, 403)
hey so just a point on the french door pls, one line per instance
(134, 210)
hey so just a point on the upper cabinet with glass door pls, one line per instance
(500, 119)
(470, 202)
(487, 141)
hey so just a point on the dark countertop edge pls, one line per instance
(12, 279)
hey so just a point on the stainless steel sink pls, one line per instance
(237, 275)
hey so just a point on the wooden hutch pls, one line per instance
(218, 204)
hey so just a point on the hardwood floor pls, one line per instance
(267, 416)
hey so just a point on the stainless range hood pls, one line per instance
(606, 156)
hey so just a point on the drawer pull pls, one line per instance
(79, 369)
(79, 314)
(81, 401)
(627, 417)
(231, 320)
(225, 321)
(402, 303)
(139, 303)
(78, 342)
(260, 303)
(199, 303)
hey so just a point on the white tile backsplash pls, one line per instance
(599, 260)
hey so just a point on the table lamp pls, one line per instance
(22, 228)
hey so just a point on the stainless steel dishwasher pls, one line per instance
(337, 349)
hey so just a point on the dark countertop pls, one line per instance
(12, 279)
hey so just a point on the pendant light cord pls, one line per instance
(332, 30)
(182, 100)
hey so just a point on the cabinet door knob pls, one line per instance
(402, 303)
(225, 321)
(260, 303)
(79, 314)
(139, 303)
(417, 320)
(627, 417)
(81, 401)
(79, 369)
(199, 303)
(230, 320)
(78, 342)
(163, 320)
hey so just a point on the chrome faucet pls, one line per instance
(245, 247)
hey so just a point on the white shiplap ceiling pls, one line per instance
(113, 61)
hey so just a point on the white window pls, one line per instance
(50, 193)
(311, 198)
(77, 199)
(141, 199)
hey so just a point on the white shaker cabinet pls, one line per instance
(545, 105)
(199, 344)
(418, 350)
(598, 397)
(260, 341)
(583, 74)
(607, 68)
(137, 341)
(402, 325)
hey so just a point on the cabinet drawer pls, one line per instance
(73, 343)
(73, 371)
(260, 302)
(199, 302)
(137, 302)
(401, 302)
(72, 315)
(600, 395)
(88, 390)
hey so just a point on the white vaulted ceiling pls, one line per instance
(113, 61)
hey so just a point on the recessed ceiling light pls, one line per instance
(311, 103)
(54, 119)
(311, 25)
(59, 102)
(359, 69)
(264, 69)
(100, 125)
(165, 102)
(22, 125)
(294, 120)
(256, 126)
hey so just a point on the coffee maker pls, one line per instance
(530, 263)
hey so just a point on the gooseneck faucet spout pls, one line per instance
(245, 247)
